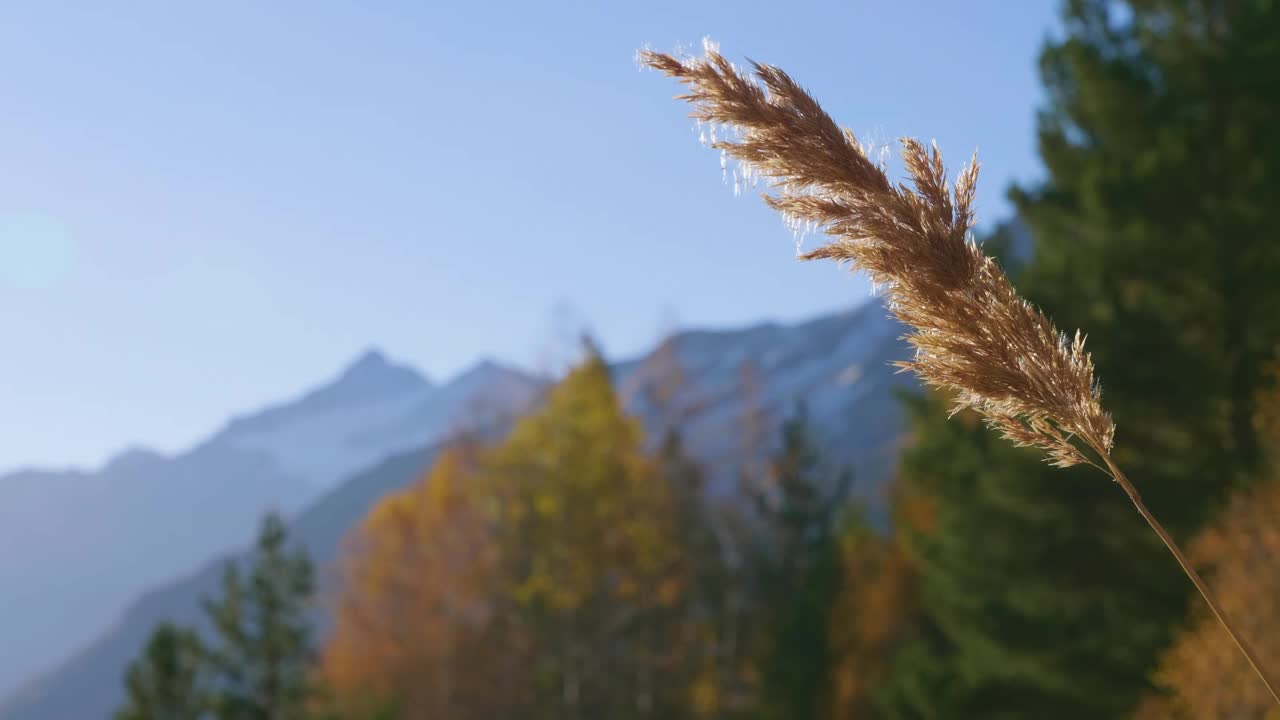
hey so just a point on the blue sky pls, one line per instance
(208, 206)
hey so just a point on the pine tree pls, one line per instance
(1043, 594)
(262, 663)
(696, 625)
(798, 574)
(259, 667)
(167, 682)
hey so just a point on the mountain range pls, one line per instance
(158, 530)
(76, 547)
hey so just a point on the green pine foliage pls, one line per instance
(168, 681)
(259, 666)
(696, 625)
(264, 658)
(798, 573)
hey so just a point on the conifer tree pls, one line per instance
(259, 663)
(262, 662)
(797, 574)
(168, 681)
(696, 624)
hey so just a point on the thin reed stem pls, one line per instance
(1120, 478)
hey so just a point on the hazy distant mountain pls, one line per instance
(838, 365)
(76, 547)
(375, 408)
(89, 685)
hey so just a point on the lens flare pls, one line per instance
(35, 250)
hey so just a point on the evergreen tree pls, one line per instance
(695, 525)
(167, 682)
(1044, 594)
(798, 574)
(262, 664)
(696, 626)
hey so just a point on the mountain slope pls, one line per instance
(374, 409)
(838, 365)
(76, 547)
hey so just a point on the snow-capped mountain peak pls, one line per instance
(373, 408)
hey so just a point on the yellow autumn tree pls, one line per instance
(542, 577)
(589, 556)
(415, 622)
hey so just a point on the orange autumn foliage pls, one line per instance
(1241, 553)
(539, 577)
(1207, 677)
(414, 607)
(868, 618)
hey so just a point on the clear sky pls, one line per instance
(205, 206)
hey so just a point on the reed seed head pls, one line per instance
(972, 333)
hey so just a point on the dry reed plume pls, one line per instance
(971, 332)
